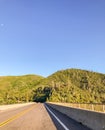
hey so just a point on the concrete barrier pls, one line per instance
(91, 119)
(13, 106)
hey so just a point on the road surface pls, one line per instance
(37, 117)
(62, 122)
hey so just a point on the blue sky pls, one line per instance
(43, 36)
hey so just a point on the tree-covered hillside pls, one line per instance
(71, 85)
(75, 85)
(17, 89)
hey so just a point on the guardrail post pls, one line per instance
(92, 107)
(103, 107)
(79, 105)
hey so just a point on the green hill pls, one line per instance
(16, 89)
(75, 85)
(71, 85)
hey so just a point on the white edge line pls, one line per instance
(57, 119)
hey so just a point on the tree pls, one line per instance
(84, 83)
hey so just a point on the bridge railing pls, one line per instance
(93, 107)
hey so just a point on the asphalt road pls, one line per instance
(37, 117)
(31, 117)
(63, 122)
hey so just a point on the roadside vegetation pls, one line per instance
(71, 85)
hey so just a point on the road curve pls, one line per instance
(37, 117)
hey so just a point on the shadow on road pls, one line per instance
(69, 122)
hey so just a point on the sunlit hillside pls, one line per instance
(70, 85)
(75, 85)
(16, 89)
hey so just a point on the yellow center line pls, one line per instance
(16, 116)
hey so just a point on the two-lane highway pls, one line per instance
(37, 117)
(32, 117)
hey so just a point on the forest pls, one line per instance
(70, 85)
